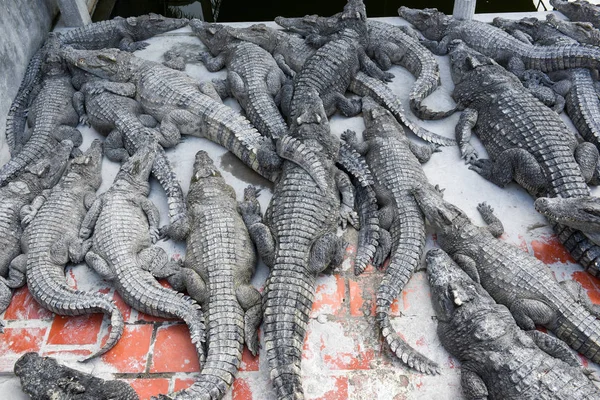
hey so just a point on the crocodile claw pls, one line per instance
(483, 167)
(468, 153)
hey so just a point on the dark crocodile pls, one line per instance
(110, 108)
(124, 33)
(291, 52)
(499, 360)
(220, 260)
(513, 277)
(125, 226)
(583, 32)
(297, 241)
(440, 30)
(52, 117)
(578, 10)
(396, 165)
(15, 199)
(525, 141)
(43, 378)
(182, 105)
(533, 31)
(253, 77)
(51, 240)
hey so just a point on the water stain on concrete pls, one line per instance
(235, 167)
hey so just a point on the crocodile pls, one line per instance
(16, 197)
(51, 239)
(297, 240)
(578, 10)
(513, 277)
(525, 141)
(52, 116)
(533, 31)
(291, 52)
(220, 261)
(396, 165)
(253, 76)
(109, 107)
(124, 33)
(583, 32)
(498, 359)
(43, 378)
(124, 223)
(387, 44)
(182, 105)
(440, 29)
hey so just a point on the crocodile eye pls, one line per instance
(81, 61)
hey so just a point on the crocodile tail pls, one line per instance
(368, 235)
(287, 303)
(424, 112)
(32, 150)
(579, 329)
(117, 325)
(355, 164)
(427, 82)
(194, 319)
(295, 151)
(364, 85)
(554, 58)
(581, 248)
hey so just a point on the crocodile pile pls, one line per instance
(489, 296)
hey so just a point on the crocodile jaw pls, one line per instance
(581, 213)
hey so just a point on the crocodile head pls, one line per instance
(450, 286)
(111, 64)
(525, 24)
(259, 34)
(379, 122)
(86, 168)
(214, 36)
(204, 167)
(577, 10)
(135, 173)
(581, 213)
(583, 32)
(309, 24)
(464, 60)
(310, 124)
(354, 10)
(431, 22)
(147, 26)
(443, 217)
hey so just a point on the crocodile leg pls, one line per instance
(468, 265)
(529, 312)
(113, 147)
(152, 214)
(100, 265)
(586, 155)
(472, 385)
(195, 285)
(577, 291)
(148, 120)
(463, 130)
(370, 68)
(347, 213)
(381, 54)
(222, 88)
(348, 107)
(370, 232)
(554, 347)
(251, 301)
(259, 232)
(213, 64)
(494, 224)
(17, 272)
(327, 250)
(423, 153)
(163, 172)
(154, 259)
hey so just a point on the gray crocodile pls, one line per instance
(533, 31)
(291, 52)
(396, 165)
(440, 30)
(53, 117)
(513, 277)
(525, 140)
(51, 239)
(124, 223)
(387, 44)
(43, 378)
(182, 106)
(499, 360)
(253, 77)
(583, 32)
(110, 108)
(578, 10)
(124, 33)
(15, 199)
(297, 241)
(220, 261)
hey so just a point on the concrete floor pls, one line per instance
(344, 356)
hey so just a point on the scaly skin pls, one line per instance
(298, 241)
(440, 30)
(396, 165)
(109, 107)
(220, 261)
(499, 360)
(512, 277)
(578, 10)
(52, 116)
(15, 199)
(253, 76)
(125, 34)
(51, 240)
(525, 140)
(125, 223)
(533, 31)
(583, 32)
(179, 102)
(42, 378)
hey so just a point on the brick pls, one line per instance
(122, 306)
(21, 340)
(362, 296)
(249, 362)
(329, 296)
(131, 351)
(23, 306)
(80, 330)
(241, 390)
(181, 384)
(174, 351)
(549, 250)
(146, 388)
(339, 391)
